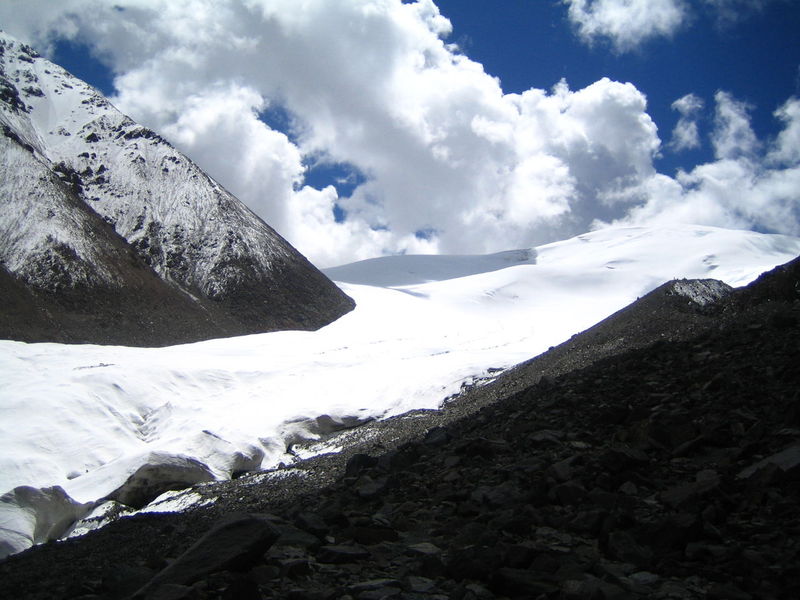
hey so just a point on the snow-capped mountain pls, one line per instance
(102, 218)
(85, 423)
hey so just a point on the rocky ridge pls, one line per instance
(110, 235)
(663, 466)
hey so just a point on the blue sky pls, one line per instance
(531, 43)
(366, 127)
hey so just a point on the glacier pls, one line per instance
(84, 419)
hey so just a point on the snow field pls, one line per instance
(85, 417)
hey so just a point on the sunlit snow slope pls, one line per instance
(85, 417)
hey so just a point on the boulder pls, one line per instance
(235, 543)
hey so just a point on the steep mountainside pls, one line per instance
(659, 470)
(109, 235)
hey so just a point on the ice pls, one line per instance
(31, 515)
(86, 417)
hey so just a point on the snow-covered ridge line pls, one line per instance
(86, 418)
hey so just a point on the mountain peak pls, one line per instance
(94, 204)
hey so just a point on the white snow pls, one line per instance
(148, 191)
(85, 417)
(176, 501)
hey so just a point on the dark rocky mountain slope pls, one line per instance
(110, 235)
(656, 455)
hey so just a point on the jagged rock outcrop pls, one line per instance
(110, 235)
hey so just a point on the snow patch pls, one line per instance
(100, 516)
(176, 501)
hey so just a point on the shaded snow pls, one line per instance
(392, 271)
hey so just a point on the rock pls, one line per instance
(562, 470)
(380, 594)
(423, 549)
(788, 461)
(505, 494)
(370, 535)
(685, 493)
(124, 580)
(373, 585)
(480, 446)
(172, 591)
(292, 536)
(727, 591)
(520, 582)
(233, 544)
(706, 552)
(312, 522)
(671, 429)
(161, 472)
(477, 563)
(546, 436)
(242, 588)
(358, 463)
(569, 493)
(419, 585)
(436, 436)
(622, 546)
(340, 554)
(623, 458)
(367, 487)
(673, 532)
(294, 567)
(644, 578)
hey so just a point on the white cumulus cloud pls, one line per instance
(448, 162)
(626, 23)
(750, 185)
(733, 136)
(686, 134)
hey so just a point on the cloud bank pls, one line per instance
(449, 163)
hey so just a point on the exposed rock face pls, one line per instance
(666, 469)
(110, 235)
